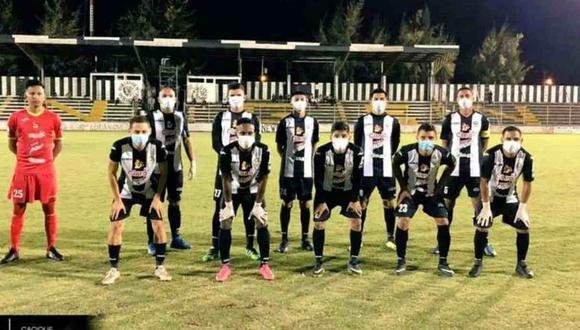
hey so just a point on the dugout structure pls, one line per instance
(36, 47)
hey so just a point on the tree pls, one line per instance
(8, 25)
(498, 59)
(155, 18)
(418, 30)
(8, 21)
(58, 20)
(344, 28)
(140, 22)
(161, 19)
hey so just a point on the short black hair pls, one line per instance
(243, 121)
(511, 129)
(298, 92)
(427, 128)
(235, 85)
(379, 91)
(34, 83)
(464, 88)
(138, 120)
(340, 126)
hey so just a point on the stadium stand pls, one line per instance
(74, 109)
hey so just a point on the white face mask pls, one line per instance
(339, 144)
(139, 140)
(299, 106)
(379, 107)
(511, 147)
(167, 104)
(236, 102)
(246, 141)
(465, 103)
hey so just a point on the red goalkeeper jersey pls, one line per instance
(35, 135)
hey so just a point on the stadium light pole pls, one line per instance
(91, 17)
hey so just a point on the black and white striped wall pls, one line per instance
(69, 87)
(406, 92)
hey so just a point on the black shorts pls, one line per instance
(507, 211)
(296, 188)
(245, 200)
(455, 184)
(386, 186)
(144, 212)
(174, 186)
(432, 206)
(336, 198)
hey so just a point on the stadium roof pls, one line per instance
(39, 45)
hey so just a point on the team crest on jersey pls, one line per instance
(298, 139)
(139, 164)
(245, 172)
(299, 131)
(424, 168)
(465, 127)
(507, 170)
(339, 174)
(377, 136)
(169, 125)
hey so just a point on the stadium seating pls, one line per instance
(73, 109)
(408, 113)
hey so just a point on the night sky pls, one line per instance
(551, 27)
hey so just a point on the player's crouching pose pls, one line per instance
(419, 186)
(138, 156)
(502, 166)
(337, 178)
(244, 165)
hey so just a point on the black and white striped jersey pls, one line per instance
(297, 137)
(421, 171)
(223, 130)
(170, 129)
(337, 172)
(247, 167)
(137, 167)
(465, 136)
(502, 172)
(379, 138)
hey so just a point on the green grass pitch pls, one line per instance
(378, 299)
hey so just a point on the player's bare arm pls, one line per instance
(402, 182)
(227, 186)
(157, 204)
(191, 156)
(262, 189)
(12, 145)
(117, 206)
(57, 148)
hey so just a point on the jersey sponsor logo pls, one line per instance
(246, 172)
(37, 146)
(38, 135)
(377, 136)
(299, 139)
(339, 174)
(136, 174)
